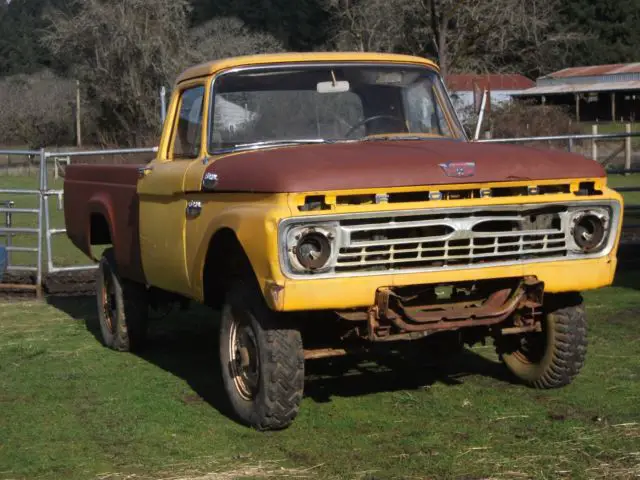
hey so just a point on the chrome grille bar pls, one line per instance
(428, 240)
(507, 236)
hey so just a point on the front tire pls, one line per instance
(122, 308)
(262, 361)
(553, 357)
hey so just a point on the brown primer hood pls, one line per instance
(388, 164)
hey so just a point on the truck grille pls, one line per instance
(456, 239)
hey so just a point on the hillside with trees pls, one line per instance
(123, 51)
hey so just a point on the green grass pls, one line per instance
(609, 127)
(631, 198)
(604, 128)
(73, 409)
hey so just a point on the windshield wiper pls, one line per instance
(271, 143)
(399, 137)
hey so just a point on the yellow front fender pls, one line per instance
(254, 220)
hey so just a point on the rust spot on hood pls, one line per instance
(379, 164)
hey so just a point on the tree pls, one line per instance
(296, 24)
(488, 35)
(464, 35)
(122, 52)
(610, 28)
(20, 25)
(37, 110)
(227, 37)
(368, 25)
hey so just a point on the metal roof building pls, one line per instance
(600, 92)
(494, 82)
(466, 89)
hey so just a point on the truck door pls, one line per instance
(162, 194)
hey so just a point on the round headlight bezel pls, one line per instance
(303, 240)
(589, 230)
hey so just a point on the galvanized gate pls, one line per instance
(43, 230)
(14, 234)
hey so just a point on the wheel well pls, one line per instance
(99, 233)
(226, 261)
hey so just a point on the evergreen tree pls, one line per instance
(610, 28)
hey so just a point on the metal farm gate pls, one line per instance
(34, 275)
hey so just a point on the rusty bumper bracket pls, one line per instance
(493, 309)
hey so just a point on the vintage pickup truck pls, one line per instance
(327, 201)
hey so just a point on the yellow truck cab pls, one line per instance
(325, 202)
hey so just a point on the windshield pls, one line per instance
(328, 103)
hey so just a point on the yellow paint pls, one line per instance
(298, 199)
(354, 292)
(211, 68)
(174, 248)
(253, 218)
(163, 205)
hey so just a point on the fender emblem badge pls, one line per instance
(459, 169)
(209, 181)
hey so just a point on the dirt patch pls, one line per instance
(191, 399)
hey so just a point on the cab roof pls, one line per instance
(209, 68)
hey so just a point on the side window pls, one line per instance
(188, 131)
(424, 112)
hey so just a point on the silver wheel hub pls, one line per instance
(245, 362)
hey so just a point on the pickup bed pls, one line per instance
(334, 198)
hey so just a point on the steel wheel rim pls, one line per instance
(108, 301)
(245, 361)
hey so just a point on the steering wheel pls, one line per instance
(371, 119)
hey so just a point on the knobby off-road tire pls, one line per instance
(122, 308)
(554, 357)
(262, 361)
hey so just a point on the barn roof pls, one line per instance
(493, 81)
(596, 70)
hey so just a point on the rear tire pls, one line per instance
(553, 357)
(262, 361)
(123, 310)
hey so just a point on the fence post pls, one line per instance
(594, 145)
(8, 221)
(571, 144)
(627, 149)
(43, 186)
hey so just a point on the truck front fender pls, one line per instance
(254, 229)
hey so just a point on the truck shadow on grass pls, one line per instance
(628, 270)
(185, 344)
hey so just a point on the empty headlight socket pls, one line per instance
(589, 230)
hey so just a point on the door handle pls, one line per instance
(144, 171)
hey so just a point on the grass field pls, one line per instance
(71, 409)
(608, 127)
